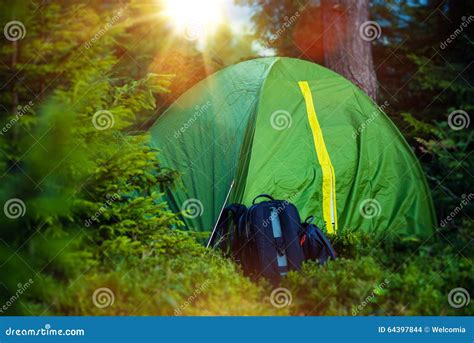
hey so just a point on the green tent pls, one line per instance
(297, 131)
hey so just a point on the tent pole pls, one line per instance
(220, 213)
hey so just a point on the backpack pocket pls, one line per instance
(315, 245)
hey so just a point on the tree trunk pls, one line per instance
(347, 46)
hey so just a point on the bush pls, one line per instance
(390, 277)
(171, 274)
(176, 276)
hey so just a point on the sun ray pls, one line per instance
(194, 19)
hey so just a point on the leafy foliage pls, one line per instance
(94, 184)
(387, 277)
(448, 164)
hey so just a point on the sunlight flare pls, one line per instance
(194, 19)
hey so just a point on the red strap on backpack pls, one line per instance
(303, 238)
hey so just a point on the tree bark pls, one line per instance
(345, 51)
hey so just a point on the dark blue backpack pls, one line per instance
(268, 238)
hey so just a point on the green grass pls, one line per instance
(178, 276)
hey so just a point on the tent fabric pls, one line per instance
(297, 131)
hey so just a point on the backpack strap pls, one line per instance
(262, 196)
(229, 214)
(326, 242)
(280, 246)
(239, 237)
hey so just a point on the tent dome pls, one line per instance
(299, 132)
